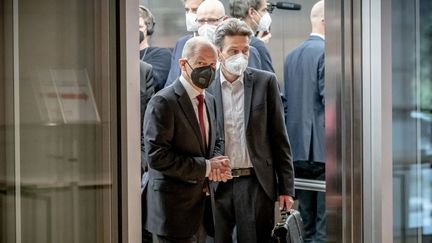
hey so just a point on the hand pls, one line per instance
(285, 202)
(220, 169)
(216, 175)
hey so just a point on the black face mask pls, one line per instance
(141, 36)
(202, 76)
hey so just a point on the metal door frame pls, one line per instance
(129, 122)
(377, 130)
(358, 121)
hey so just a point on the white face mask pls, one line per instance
(265, 22)
(236, 64)
(191, 24)
(207, 31)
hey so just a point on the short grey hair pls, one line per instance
(240, 8)
(231, 27)
(194, 43)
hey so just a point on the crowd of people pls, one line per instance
(221, 143)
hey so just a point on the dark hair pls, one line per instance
(231, 27)
(240, 8)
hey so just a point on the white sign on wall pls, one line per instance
(66, 96)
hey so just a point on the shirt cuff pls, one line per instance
(208, 168)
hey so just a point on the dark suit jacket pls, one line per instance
(304, 91)
(174, 72)
(264, 54)
(176, 156)
(160, 59)
(266, 137)
(147, 90)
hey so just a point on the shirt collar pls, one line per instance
(192, 93)
(316, 34)
(224, 80)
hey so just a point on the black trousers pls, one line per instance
(311, 203)
(168, 239)
(241, 203)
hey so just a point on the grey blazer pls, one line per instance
(267, 140)
(176, 156)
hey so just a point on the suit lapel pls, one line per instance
(212, 130)
(248, 87)
(217, 92)
(187, 107)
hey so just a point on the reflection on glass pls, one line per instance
(63, 177)
(412, 121)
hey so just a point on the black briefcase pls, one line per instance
(289, 229)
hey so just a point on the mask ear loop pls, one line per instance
(222, 60)
(190, 77)
(189, 65)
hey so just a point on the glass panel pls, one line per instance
(7, 167)
(412, 121)
(64, 79)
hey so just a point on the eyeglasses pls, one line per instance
(208, 21)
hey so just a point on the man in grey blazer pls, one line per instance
(250, 114)
(181, 140)
(304, 91)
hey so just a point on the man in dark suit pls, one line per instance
(209, 15)
(249, 111)
(304, 91)
(180, 138)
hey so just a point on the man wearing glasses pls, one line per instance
(209, 15)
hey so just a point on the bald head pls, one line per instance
(210, 9)
(195, 45)
(198, 52)
(317, 17)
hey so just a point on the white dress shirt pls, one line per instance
(234, 123)
(193, 93)
(316, 34)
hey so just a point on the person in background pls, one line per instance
(147, 90)
(183, 148)
(191, 7)
(304, 91)
(158, 57)
(254, 13)
(256, 16)
(209, 15)
(150, 77)
(250, 115)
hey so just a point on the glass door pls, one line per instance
(58, 121)
(412, 120)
